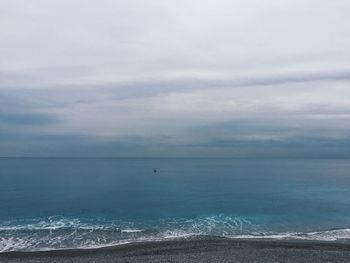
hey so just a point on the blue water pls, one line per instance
(80, 203)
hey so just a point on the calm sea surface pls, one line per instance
(79, 203)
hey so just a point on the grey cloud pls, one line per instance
(24, 119)
(180, 82)
(148, 78)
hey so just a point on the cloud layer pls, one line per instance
(165, 78)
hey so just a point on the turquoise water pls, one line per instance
(80, 203)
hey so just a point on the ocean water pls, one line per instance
(82, 203)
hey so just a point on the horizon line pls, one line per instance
(173, 157)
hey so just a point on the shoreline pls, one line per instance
(201, 249)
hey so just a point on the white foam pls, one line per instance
(132, 230)
(177, 234)
(54, 233)
(328, 235)
(58, 222)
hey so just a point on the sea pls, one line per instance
(68, 203)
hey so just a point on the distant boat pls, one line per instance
(155, 171)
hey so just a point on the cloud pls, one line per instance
(24, 119)
(148, 78)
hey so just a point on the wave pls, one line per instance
(131, 230)
(60, 232)
(326, 235)
(57, 222)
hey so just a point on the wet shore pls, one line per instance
(208, 249)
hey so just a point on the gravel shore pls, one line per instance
(196, 250)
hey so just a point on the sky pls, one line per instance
(161, 78)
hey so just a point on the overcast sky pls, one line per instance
(213, 78)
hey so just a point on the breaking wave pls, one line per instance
(66, 233)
